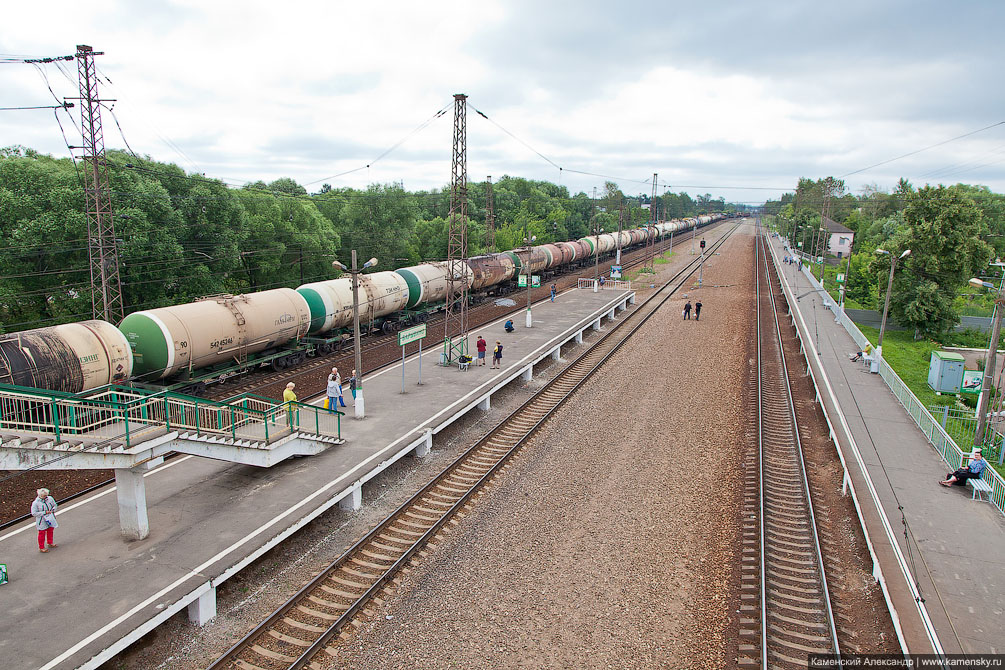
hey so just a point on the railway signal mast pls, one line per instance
(106, 288)
(455, 321)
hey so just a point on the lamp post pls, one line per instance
(889, 287)
(527, 240)
(358, 404)
(989, 366)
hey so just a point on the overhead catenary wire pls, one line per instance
(918, 151)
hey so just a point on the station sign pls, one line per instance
(521, 281)
(3, 573)
(411, 334)
(615, 272)
(840, 278)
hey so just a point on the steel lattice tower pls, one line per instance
(490, 218)
(455, 322)
(651, 243)
(106, 289)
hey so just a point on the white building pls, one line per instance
(841, 238)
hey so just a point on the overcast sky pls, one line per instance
(708, 94)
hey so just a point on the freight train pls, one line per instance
(208, 340)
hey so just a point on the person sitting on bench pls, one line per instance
(508, 326)
(972, 471)
(857, 356)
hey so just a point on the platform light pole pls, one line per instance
(358, 405)
(989, 365)
(889, 288)
(527, 240)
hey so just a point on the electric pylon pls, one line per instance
(455, 322)
(106, 289)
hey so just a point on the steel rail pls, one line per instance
(770, 637)
(582, 369)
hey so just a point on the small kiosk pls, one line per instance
(945, 372)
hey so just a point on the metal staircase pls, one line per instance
(117, 426)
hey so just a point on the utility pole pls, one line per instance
(455, 320)
(621, 219)
(490, 218)
(651, 231)
(596, 250)
(106, 288)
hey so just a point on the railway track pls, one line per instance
(783, 569)
(311, 621)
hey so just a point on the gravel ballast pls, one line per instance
(612, 540)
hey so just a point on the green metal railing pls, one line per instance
(131, 415)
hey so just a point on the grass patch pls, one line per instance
(910, 359)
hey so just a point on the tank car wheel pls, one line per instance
(387, 327)
(279, 363)
(422, 318)
(324, 349)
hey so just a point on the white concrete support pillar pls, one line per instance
(631, 299)
(622, 306)
(556, 355)
(485, 404)
(423, 448)
(132, 494)
(354, 500)
(844, 483)
(528, 373)
(596, 324)
(203, 608)
(579, 337)
(610, 315)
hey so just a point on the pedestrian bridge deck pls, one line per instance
(83, 602)
(955, 547)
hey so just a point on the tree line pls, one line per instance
(953, 232)
(181, 236)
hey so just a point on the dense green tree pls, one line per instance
(944, 231)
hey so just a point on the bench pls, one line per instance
(980, 488)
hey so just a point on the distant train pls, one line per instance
(220, 336)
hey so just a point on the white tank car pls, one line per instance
(379, 294)
(168, 340)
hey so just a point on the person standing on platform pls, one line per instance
(481, 345)
(497, 355)
(687, 310)
(554, 291)
(289, 397)
(42, 509)
(352, 386)
(335, 390)
(697, 310)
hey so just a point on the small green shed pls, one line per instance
(945, 372)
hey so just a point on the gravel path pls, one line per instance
(611, 541)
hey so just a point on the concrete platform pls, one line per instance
(954, 547)
(95, 594)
